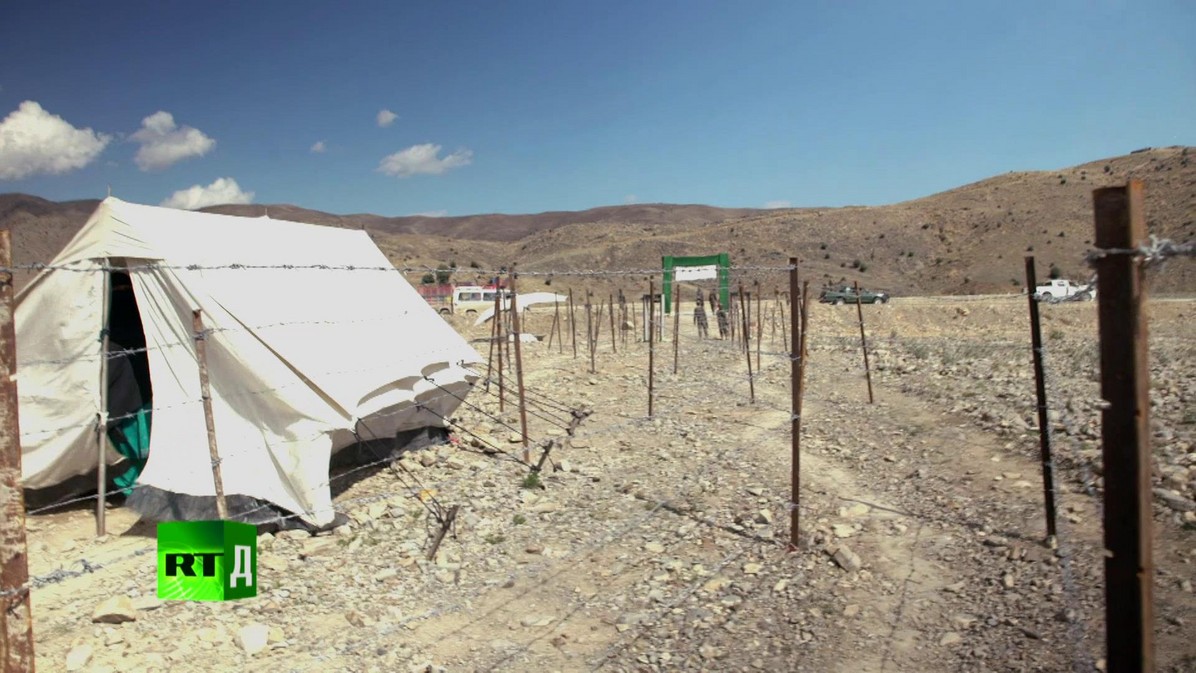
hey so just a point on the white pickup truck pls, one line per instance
(1060, 290)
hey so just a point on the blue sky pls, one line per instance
(524, 107)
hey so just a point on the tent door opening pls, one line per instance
(129, 393)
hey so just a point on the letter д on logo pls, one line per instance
(206, 560)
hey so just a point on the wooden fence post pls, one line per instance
(102, 414)
(16, 614)
(611, 303)
(651, 348)
(519, 364)
(1125, 429)
(747, 351)
(500, 340)
(795, 392)
(590, 330)
(859, 310)
(201, 354)
(676, 321)
(759, 323)
(573, 323)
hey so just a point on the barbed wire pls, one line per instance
(97, 267)
(1155, 251)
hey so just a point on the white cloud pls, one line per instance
(778, 204)
(431, 213)
(223, 190)
(319, 147)
(631, 198)
(386, 118)
(423, 159)
(163, 143)
(33, 141)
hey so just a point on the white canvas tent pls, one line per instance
(298, 358)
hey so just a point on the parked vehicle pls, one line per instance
(473, 299)
(845, 294)
(1060, 289)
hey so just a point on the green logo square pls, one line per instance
(206, 560)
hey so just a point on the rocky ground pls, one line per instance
(659, 544)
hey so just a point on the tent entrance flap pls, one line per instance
(130, 394)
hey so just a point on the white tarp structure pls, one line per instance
(523, 301)
(298, 358)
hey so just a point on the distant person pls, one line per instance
(700, 316)
(724, 326)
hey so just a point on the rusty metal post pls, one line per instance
(573, 323)
(500, 339)
(16, 614)
(795, 419)
(759, 323)
(747, 351)
(676, 321)
(552, 327)
(493, 339)
(1044, 430)
(733, 318)
(590, 330)
(859, 311)
(102, 413)
(611, 304)
(651, 348)
(1125, 428)
(560, 338)
(598, 326)
(519, 364)
(784, 325)
(201, 354)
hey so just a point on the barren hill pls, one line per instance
(966, 240)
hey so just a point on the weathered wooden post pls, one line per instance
(573, 323)
(759, 323)
(747, 351)
(676, 321)
(501, 340)
(519, 363)
(1125, 428)
(201, 354)
(651, 348)
(102, 414)
(590, 330)
(613, 337)
(16, 617)
(795, 384)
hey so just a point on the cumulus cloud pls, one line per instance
(431, 213)
(33, 141)
(631, 198)
(778, 204)
(386, 118)
(223, 190)
(164, 143)
(423, 159)
(319, 147)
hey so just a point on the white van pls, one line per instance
(472, 299)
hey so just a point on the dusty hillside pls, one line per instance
(967, 240)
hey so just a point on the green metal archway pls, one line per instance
(710, 266)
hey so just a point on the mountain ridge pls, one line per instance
(967, 239)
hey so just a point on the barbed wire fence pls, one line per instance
(557, 416)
